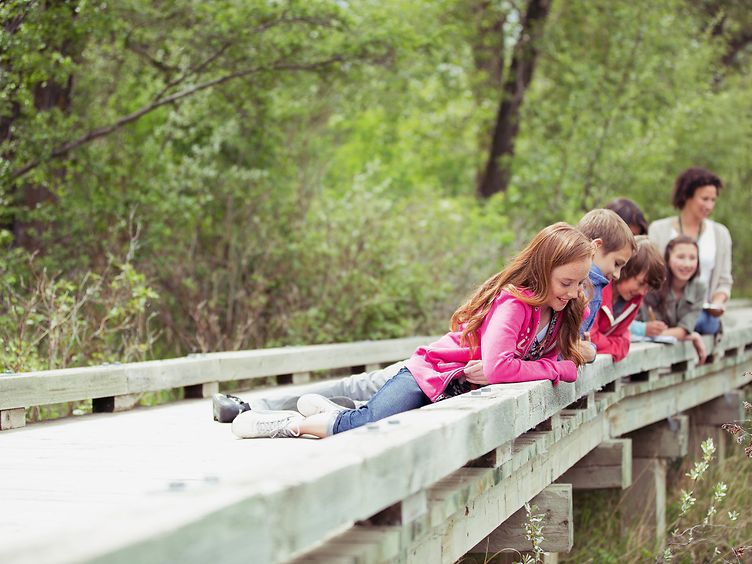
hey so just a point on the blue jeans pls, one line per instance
(707, 324)
(400, 393)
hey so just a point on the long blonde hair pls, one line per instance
(554, 246)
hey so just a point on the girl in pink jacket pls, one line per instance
(519, 323)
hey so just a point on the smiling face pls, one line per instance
(702, 202)
(610, 264)
(630, 288)
(566, 283)
(683, 262)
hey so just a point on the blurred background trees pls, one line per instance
(183, 176)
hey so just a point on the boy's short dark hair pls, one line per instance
(630, 212)
(647, 259)
(689, 181)
(609, 227)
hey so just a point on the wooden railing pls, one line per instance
(117, 387)
(423, 486)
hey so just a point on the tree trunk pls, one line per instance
(495, 177)
(48, 95)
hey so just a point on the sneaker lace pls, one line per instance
(280, 428)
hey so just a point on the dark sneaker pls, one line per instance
(226, 407)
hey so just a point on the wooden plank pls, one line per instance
(12, 418)
(665, 439)
(635, 412)
(555, 504)
(74, 384)
(609, 465)
(58, 386)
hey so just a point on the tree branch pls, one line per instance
(158, 103)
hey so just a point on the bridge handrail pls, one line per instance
(31, 389)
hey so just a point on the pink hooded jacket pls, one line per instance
(506, 335)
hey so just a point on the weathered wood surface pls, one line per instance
(609, 465)
(169, 484)
(73, 384)
(665, 439)
(555, 505)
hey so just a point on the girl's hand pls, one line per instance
(699, 347)
(586, 350)
(474, 373)
(655, 328)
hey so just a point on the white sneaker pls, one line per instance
(271, 424)
(311, 404)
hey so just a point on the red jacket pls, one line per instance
(611, 336)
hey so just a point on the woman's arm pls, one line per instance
(722, 291)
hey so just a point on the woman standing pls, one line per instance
(695, 194)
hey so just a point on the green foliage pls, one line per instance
(292, 171)
(49, 321)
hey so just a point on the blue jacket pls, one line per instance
(599, 282)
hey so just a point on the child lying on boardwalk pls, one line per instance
(522, 323)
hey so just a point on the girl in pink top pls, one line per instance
(522, 323)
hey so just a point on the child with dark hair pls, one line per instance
(645, 271)
(679, 301)
(631, 213)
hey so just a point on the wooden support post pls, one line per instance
(114, 404)
(12, 418)
(609, 465)
(301, 377)
(555, 503)
(706, 421)
(644, 502)
(198, 391)
(666, 439)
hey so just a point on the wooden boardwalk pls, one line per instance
(169, 484)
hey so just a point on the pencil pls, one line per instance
(651, 313)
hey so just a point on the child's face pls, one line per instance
(566, 283)
(611, 263)
(683, 262)
(630, 288)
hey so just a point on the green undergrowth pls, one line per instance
(599, 537)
